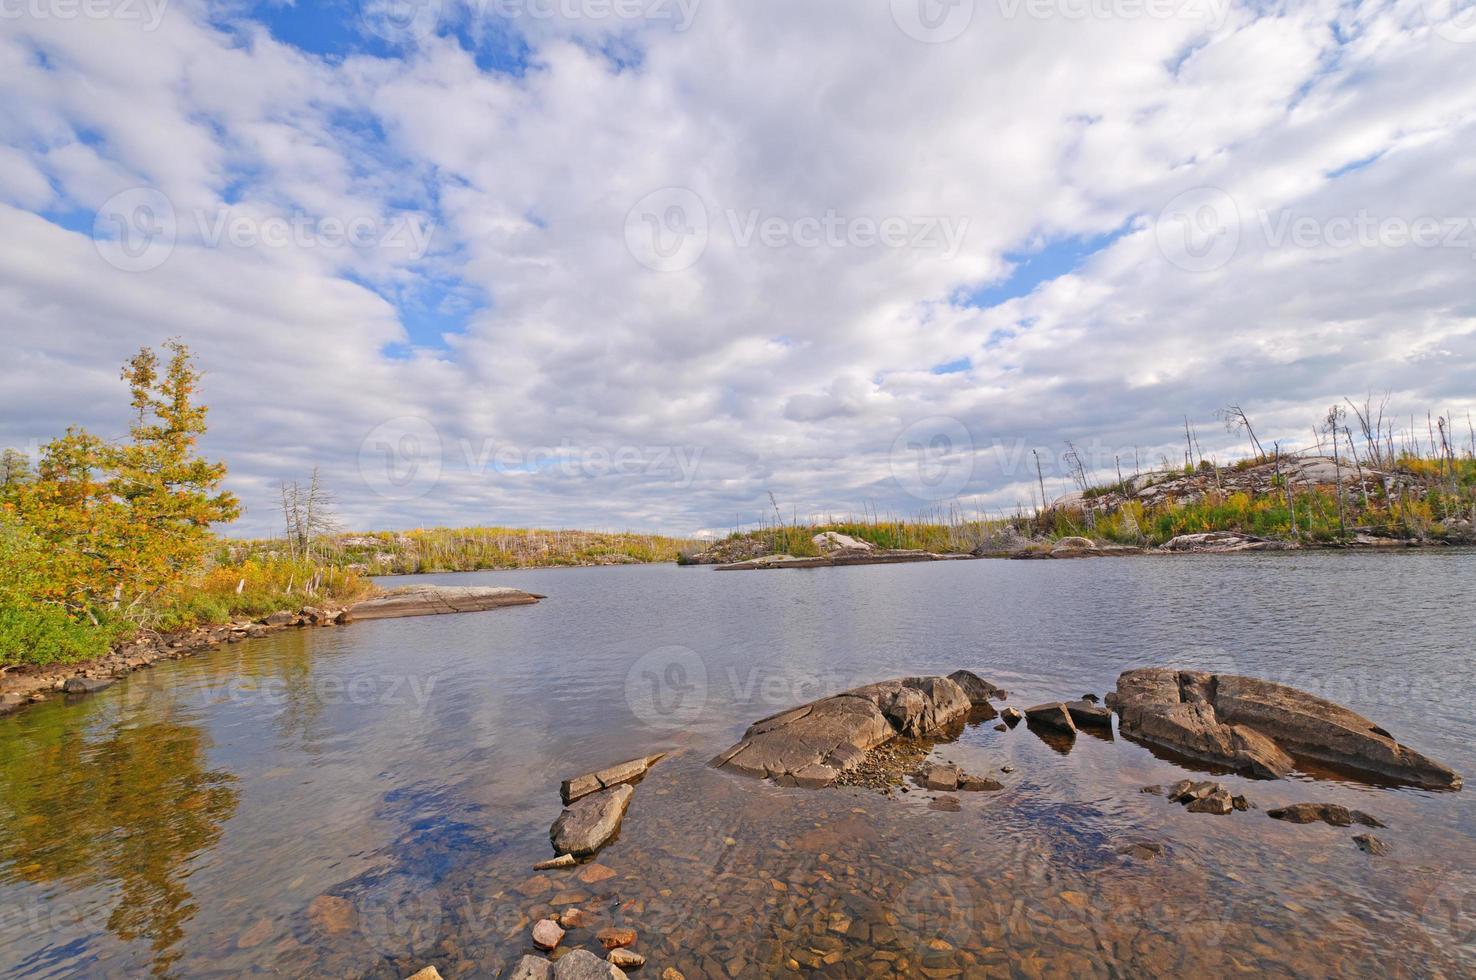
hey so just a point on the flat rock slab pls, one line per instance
(811, 745)
(438, 600)
(839, 558)
(1253, 726)
(625, 772)
(590, 823)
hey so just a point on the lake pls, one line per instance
(189, 820)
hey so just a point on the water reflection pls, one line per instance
(122, 802)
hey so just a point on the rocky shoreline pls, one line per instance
(28, 685)
(839, 550)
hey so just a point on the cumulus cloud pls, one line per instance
(529, 265)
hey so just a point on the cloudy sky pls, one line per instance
(642, 263)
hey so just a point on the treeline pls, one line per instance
(460, 549)
(101, 538)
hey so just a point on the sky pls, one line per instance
(673, 265)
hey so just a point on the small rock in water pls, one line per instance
(672, 973)
(596, 873)
(1012, 716)
(572, 918)
(1218, 801)
(945, 804)
(1053, 714)
(1006, 768)
(940, 777)
(615, 937)
(1369, 844)
(1154, 790)
(979, 784)
(1240, 803)
(562, 861)
(547, 934)
(429, 973)
(588, 824)
(1001, 727)
(1142, 850)
(332, 915)
(1092, 698)
(626, 959)
(1328, 813)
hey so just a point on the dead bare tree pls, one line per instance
(307, 514)
(1335, 416)
(1235, 419)
(1371, 422)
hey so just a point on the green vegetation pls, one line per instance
(464, 550)
(101, 539)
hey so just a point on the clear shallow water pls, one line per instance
(184, 821)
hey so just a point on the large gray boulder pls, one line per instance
(437, 600)
(590, 823)
(581, 964)
(811, 745)
(1252, 726)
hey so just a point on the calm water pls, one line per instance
(185, 821)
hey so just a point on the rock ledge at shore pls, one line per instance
(1253, 726)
